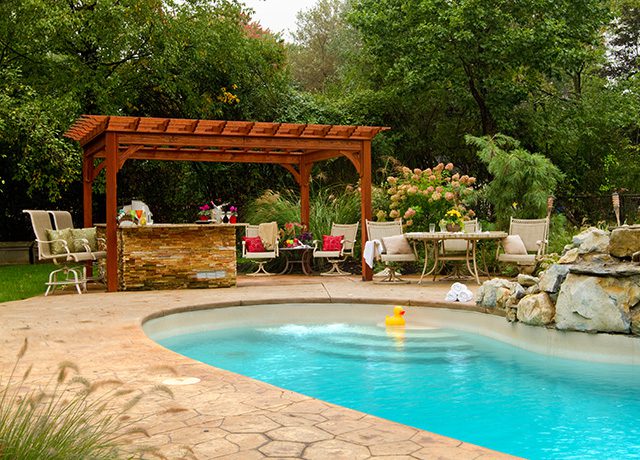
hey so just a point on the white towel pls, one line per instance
(465, 296)
(372, 251)
(451, 297)
(459, 292)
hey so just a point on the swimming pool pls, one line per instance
(436, 378)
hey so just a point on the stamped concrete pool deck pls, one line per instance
(225, 415)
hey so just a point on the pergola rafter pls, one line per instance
(110, 141)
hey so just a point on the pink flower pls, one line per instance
(409, 213)
(392, 180)
(394, 214)
(456, 176)
(436, 196)
(449, 166)
(430, 189)
(449, 196)
(417, 171)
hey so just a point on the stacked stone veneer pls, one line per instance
(176, 256)
(594, 287)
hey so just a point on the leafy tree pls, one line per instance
(324, 43)
(498, 51)
(522, 181)
(191, 58)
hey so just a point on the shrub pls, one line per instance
(522, 181)
(339, 204)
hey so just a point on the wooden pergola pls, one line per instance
(109, 141)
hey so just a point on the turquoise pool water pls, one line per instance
(445, 381)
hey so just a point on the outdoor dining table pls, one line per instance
(472, 240)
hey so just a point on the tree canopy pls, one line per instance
(560, 77)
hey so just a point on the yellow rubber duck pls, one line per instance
(397, 319)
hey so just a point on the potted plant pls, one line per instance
(452, 220)
(204, 212)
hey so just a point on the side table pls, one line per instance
(299, 255)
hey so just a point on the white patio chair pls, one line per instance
(534, 234)
(61, 219)
(261, 258)
(335, 258)
(391, 254)
(66, 256)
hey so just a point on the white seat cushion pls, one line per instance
(326, 254)
(398, 257)
(260, 255)
(520, 259)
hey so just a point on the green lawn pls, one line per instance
(23, 281)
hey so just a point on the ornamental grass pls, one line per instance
(70, 417)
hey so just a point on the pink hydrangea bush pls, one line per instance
(420, 197)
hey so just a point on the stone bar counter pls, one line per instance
(176, 256)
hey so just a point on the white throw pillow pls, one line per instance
(396, 244)
(513, 244)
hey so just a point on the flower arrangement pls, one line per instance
(423, 196)
(205, 209)
(452, 219)
(294, 234)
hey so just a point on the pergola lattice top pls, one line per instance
(87, 127)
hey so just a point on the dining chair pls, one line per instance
(395, 247)
(526, 243)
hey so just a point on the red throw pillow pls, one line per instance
(253, 244)
(332, 243)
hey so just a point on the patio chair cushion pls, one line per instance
(513, 244)
(332, 242)
(253, 244)
(396, 244)
(58, 246)
(88, 234)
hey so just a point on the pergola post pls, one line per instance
(112, 205)
(87, 190)
(365, 202)
(305, 202)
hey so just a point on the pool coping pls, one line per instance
(227, 415)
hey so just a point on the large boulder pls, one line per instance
(495, 293)
(625, 241)
(635, 321)
(597, 303)
(551, 279)
(592, 240)
(536, 309)
(570, 256)
(527, 280)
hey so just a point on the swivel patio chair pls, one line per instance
(526, 243)
(336, 257)
(61, 248)
(267, 250)
(395, 247)
(61, 219)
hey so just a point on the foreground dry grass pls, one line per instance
(227, 415)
